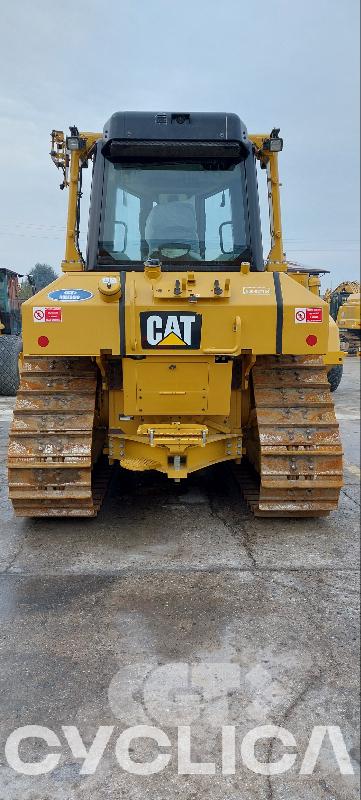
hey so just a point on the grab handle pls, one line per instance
(232, 351)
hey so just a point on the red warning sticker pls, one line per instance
(308, 315)
(50, 314)
(53, 315)
(314, 315)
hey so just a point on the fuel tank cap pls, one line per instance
(109, 286)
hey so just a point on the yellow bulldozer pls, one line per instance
(173, 345)
(344, 302)
(349, 323)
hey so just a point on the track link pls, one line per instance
(55, 441)
(351, 342)
(292, 442)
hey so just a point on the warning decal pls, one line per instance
(47, 314)
(314, 315)
(38, 314)
(308, 315)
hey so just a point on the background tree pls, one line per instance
(25, 291)
(41, 275)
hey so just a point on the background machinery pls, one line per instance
(10, 332)
(349, 323)
(344, 302)
(337, 297)
(172, 345)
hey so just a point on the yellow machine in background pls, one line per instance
(343, 312)
(336, 297)
(349, 323)
(172, 345)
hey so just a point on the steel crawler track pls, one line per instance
(351, 342)
(54, 441)
(293, 441)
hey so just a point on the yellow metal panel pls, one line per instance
(334, 353)
(248, 294)
(300, 277)
(219, 392)
(251, 298)
(175, 387)
(295, 334)
(86, 327)
(246, 320)
(190, 286)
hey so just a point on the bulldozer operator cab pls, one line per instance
(190, 198)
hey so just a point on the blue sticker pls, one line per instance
(70, 295)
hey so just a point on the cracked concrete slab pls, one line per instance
(182, 575)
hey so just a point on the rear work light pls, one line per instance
(275, 143)
(74, 141)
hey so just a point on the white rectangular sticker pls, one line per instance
(304, 315)
(110, 281)
(256, 290)
(47, 314)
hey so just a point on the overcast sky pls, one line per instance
(294, 65)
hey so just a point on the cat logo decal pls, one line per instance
(171, 330)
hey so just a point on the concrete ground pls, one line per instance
(98, 617)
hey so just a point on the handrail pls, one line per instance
(132, 299)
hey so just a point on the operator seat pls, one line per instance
(169, 224)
